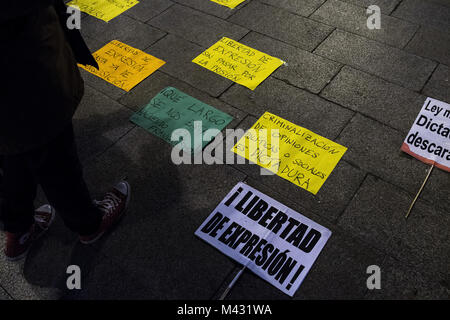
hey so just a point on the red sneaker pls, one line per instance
(18, 244)
(113, 207)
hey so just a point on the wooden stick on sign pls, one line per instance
(227, 290)
(420, 191)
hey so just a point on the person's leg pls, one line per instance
(19, 216)
(1, 196)
(58, 171)
(18, 192)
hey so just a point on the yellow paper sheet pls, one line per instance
(122, 65)
(103, 9)
(238, 62)
(229, 3)
(290, 151)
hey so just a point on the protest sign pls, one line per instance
(290, 151)
(275, 242)
(122, 65)
(229, 3)
(172, 109)
(429, 137)
(237, 62)
(103, 9)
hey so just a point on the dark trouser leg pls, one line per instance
(58, 171)
(18, 191)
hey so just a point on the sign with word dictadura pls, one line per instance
(103, 9)
(275, 242)
(429, 137)
(237, 62)
(172, 109)
(229, 3)
(122, 65)
(290, 151)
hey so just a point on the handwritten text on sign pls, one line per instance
(275, 242)
(429, 137)
(122, 65)
(290, 151)
(229, 3)
(103, 9)
(172, 109)
(237, 62)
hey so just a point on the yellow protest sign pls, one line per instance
(122, 65)
(229, 3)
(290, 151)
(237, 62)
(103, 9)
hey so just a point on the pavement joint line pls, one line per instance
(229, 88)
(287, 82)
(286, 10)
(240, 39)
(354, 165)
(429, 78)
(358, 34)
(324, 39)
(242, 6)
(380, 43)
(190, 8)
(199, 9)
(409, 41)
(412, 194)
(145, 22)
(338, 217)
(266, 35)
(215, 97)
(331, 80)
(157, 40)
(372, 74)
(108, 96)
(426, 1)
(98, 155)
(292, 45)
(6, 291)
(396, 7)
(317, 9)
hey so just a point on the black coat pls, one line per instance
(41, 86)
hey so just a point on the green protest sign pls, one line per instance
(172, 109)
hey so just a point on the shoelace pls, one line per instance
(108, 204)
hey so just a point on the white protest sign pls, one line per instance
(429, 137)
(275, 242)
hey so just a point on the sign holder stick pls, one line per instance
(230, 286)
(420, 191)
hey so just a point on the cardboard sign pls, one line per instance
(429, 137)
(229, 3)
(290, 151)
(272, 240)
(103, 9)
(122, 65)
(172, 109)
(237, 62)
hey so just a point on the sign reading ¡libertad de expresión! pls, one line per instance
(275, 242)
(429, 137)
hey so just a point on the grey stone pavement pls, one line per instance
(358, 87)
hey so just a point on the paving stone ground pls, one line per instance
(358, 87)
